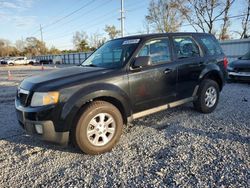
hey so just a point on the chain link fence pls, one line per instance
(232, 48)
(70, 58)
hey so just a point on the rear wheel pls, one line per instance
(99, 128)
(208, 96)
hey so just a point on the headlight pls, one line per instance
(41, 99)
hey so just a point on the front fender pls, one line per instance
(86, 94)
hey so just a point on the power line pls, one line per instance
(85, 13)
(89, 26)
(70, 14)
(98, 6)
(185, 25)
(219, 19)
(66, 16)
(112, 13)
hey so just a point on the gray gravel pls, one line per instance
(175, 148)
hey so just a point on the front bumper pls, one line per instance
(241, 76)
(30, 118)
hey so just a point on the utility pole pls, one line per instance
(41, 30)
(122, 18)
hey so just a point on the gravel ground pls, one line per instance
(175, 148)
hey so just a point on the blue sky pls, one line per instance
(21, 18)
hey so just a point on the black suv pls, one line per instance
(125, 79)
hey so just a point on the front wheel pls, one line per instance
(208, 96)
(99, 128)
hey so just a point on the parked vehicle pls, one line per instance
(240, 69)
(17, 61)
(125, 79)
(32, 61)
(3, 61)
(57, 60)
(46, 61)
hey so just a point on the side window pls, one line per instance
(213, 47)
(185, 47)
(158, 50)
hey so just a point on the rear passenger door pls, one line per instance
(189, 57)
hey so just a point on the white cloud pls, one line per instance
(24, 21)
(11, 12)
(19, 5)
(18, 21)
(5, 4)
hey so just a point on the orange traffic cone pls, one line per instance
(9, 75)
(42, 67)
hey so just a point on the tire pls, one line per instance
(104, 130)
(208, 96)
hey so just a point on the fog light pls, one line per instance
(39, 129)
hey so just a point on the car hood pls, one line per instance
(240, 64)
(56, 79)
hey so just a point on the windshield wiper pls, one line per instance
(90, 65)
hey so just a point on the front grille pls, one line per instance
(22, 96)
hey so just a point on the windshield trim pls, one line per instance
(123, 64)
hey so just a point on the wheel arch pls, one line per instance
(214, 74)
(112, 94)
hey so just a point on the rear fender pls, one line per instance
(212, 71)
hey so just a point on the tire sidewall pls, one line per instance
(81, 129)
(205, 85)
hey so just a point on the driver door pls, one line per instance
(155, 84)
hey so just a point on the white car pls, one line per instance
(17, 61)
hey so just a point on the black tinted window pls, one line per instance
(157, 49)
(186, 47)
(213, 47)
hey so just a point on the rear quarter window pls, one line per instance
(212, 45)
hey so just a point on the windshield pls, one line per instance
(246, 56)
(113, 54)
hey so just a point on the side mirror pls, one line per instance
(239, 57)
(142, 61)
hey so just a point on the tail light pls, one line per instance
(225, 62)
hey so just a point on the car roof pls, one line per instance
(155, 35)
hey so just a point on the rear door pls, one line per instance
(189, 56)
(155, 84)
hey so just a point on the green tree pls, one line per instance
(80, 41)
(34, 47)
(53, 50)
(112, 31)
(165, 15)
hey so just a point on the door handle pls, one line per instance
(167, 71)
